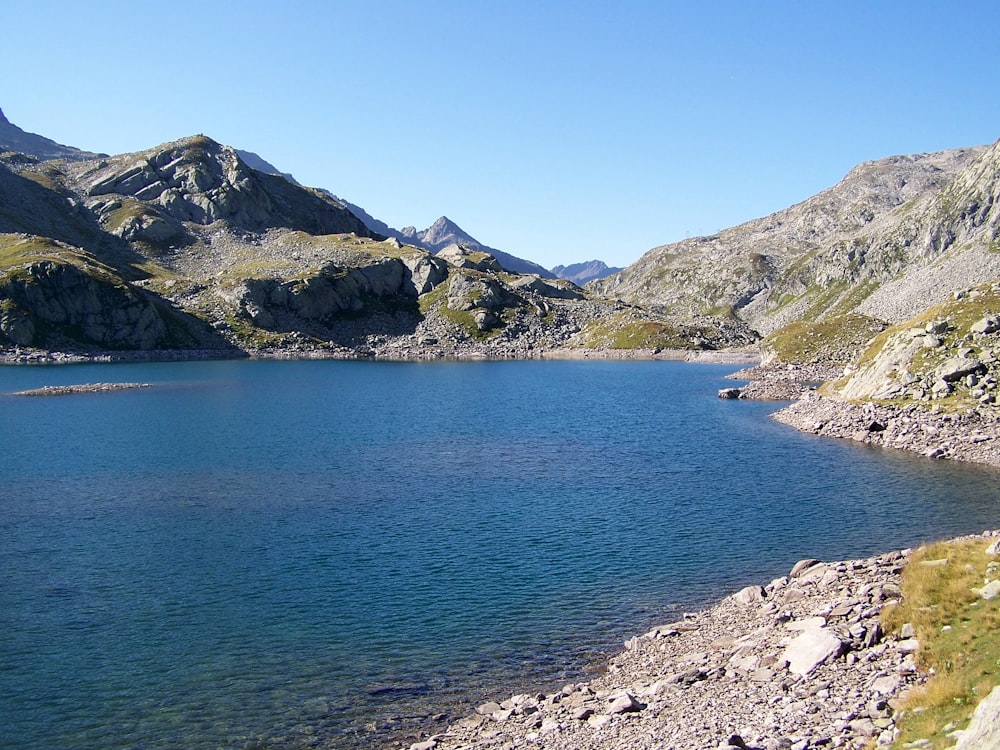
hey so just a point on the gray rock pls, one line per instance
(989, 324)
(749, 595)
(990, 591)
(810, 649)
(956, 368)
(625, 703)
(983, 732)
(802, 566)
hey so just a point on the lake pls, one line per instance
(329, 553)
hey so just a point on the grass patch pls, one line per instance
(18, 252)
(837, 339)
(959, 635)
(620, 334)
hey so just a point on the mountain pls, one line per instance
(894, 236)
(440, 234)
(187, 246)
(445, 232)
(581, 273)
(12, 138)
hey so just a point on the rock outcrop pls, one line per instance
(76, 300)
(199, 181)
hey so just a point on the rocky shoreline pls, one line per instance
(801, 662)
(21, 356)
(972, 435)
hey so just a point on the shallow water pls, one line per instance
(288, 553)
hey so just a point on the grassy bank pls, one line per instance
(959, 634)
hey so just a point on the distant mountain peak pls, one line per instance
(581, 273)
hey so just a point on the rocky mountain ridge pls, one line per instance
(184, 246)
(13, 138)
(442, 233)
(891, 237)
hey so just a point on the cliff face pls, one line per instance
(885, 224)
(53, 295)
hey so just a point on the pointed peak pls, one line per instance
(442, 222)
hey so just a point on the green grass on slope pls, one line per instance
(959, 634)
(837, 339)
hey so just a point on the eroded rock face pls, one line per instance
(323, 295)
(425, 273)
(199, 181)
(59, 297)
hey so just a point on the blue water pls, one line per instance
(322, 553)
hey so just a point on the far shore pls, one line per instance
(744, 356)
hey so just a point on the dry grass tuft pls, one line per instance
(959, 635)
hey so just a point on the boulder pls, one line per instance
(990, 591)
(956, 368)
(802, 566)
(749, 595)
(625, 703)
(810, 649)
(989, 324)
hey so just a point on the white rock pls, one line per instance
(983, 732)
(808, 623)
(990, 591)
(813, 647)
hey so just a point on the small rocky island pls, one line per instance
(66, 390)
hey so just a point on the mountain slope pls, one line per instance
(186, 246)
(886, 222)
(12, 138)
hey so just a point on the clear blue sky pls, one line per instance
(556, 131)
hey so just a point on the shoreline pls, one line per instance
(797, 663)
(972, 436)
(383, 354)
